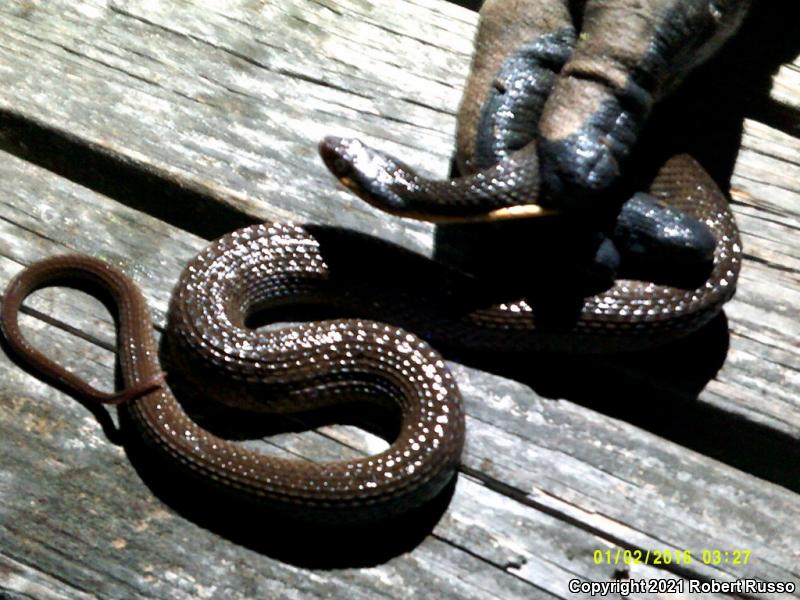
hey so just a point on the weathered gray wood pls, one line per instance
(19, 581)
(624, 486)
(138, 534)
(786, 84)
(74, 508)
(258, 93)
(537, 545)
(229, 99)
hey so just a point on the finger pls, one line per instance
(629, 54)
(662, 243)
(519, 47)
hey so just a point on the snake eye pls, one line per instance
(342, 167)
(334, 153)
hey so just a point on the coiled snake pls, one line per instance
(327, 362)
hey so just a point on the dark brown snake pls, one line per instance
(328, 362)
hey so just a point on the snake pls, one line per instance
(385, 355)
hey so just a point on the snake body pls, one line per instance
(285, 370)
(548, 115)
(294, 368)
(326, 362)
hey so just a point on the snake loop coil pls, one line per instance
(289, 369)
(298, 367)
(313, 364)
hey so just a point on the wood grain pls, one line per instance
(592, 481)
(207, 114)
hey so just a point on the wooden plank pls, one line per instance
(498, 532)
(505, 534)
(231, 106)
(786, 84)
(258, 93)
(552, 467)
(230, 101)
(104, 552)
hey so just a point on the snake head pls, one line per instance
(336, 155)
(376, 177)
(393, 187)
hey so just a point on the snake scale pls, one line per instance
(295, 368)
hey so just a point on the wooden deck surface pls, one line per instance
(137, 131)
